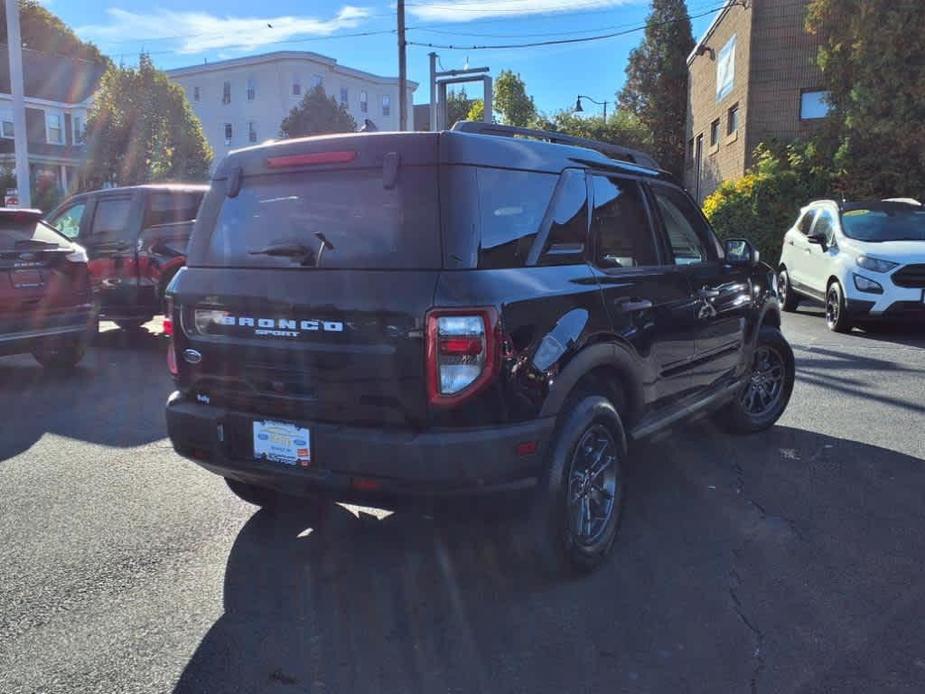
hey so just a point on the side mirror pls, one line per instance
(740, 252)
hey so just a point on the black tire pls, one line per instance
(789, 301)
(560, 545)
(132, 325)
(836, 315)
(766, 392)
(252, 494)
(62, 354)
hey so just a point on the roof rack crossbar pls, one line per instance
(617, 151)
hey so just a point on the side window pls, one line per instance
(682, 222)
(68, 220)
(806, 222)
(111, 216)
(825, 224)
(620, 225)
(512, 205)
(169, 208)
(568, 231)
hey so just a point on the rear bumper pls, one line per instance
(353, 459)
(25, 334)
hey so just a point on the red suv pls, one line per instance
(46, 303)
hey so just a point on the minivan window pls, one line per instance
(620, 225)
(342, 219)
(565, 243)
(111, 216)
(512, 205)
(681, 221)
(170, 208)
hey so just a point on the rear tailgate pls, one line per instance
(307, 286)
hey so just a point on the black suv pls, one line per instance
(480, 309)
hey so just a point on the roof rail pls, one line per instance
(616, 151)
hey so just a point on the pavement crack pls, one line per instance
(735, 581)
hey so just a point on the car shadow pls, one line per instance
(788, 556)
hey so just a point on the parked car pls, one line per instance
(864, 260)
(389, 314)
(46, 304)
(136, 240)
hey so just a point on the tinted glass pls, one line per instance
(682, 222)
(27, 235)
(364, 224)
(806, 221)
(169, 208)
(895, 223)
(68, 221)
(565, 243)
(111, 216)
(620, 225)
(511, 208)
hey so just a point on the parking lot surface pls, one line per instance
(788, 561)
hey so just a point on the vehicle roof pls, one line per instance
(445, 147)
(876, 204)
(175, 187)
(20, 212)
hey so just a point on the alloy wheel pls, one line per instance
(832, 307)
(592, 487)
(765, 385)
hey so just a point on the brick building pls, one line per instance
(752, 78)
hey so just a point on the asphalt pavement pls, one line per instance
(788, 561)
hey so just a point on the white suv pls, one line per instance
(864, 260)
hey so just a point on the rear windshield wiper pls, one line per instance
(296, 251)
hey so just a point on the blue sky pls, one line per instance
(184, 32)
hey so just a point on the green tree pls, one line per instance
(512, 102)
(656, 81)
(872, 56)
(43, 31)
(317, 114)
(457, 106)
(621, 128)
(141, 128)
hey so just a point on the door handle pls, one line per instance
(707, 293)
(633, 304)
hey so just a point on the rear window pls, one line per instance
(342, 219)
(171, 208)
(28, 235)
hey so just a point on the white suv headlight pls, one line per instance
(875, 264)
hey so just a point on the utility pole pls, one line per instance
(20, 142)
(433, 92)
(402, 69)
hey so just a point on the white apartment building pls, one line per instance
(242, 101)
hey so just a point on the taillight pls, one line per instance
(462, 353)
(171, 347)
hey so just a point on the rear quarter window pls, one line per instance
(170, 208)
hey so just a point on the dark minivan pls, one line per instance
(136, 239)
(386, 314)
(46, 305)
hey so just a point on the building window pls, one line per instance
(53, 130)
(726, 69)
(6, 123)
(195, 93)
(386, 105)
(732, 119)
(344, 95)
(296, 86)
(251, 131)
(317, 81)
(814, 104)
(78, 129)
(714, 133)
(229, 133)
(364, 102)
(251, 88)
(226, 93)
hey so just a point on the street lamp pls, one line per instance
(579, 109)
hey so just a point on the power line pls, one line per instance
(558, 42)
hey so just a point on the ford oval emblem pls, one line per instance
(192, 356)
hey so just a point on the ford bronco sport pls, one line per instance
(464, 311)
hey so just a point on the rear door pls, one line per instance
(722, 293)
(649, 304)
(306, 289)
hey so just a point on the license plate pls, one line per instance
(282, 443)
(25, 279)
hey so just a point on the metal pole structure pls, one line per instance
(487, 99)
(433, 92)
(402, 70)
(14, 43)
(605, 113)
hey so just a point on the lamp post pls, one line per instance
(579, 109)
